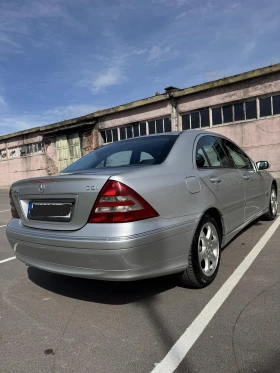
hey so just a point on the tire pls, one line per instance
(204, 256)
(273, 204)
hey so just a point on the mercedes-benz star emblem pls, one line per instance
(41, 188)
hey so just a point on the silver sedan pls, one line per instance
(141, 208)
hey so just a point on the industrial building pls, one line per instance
(244, 107)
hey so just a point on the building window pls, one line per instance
(239, 113)
(115, 134)
(217, 116)
(276, 104)
(103, 135)
(109, 136)
(159, 125)
(143, 129)
(137, 129)
(167, 125)
(186, 122)
(3, 155)
(122, 133)
(152, 127)
(234, 112)
(196, 119)
(227, 114)
(31, 149)
(251, 109)
(204, 118)
(129, 132)
(13, 153)
(265, 107)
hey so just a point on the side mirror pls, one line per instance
(262, 165)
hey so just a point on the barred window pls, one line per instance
(196, 119)
(151, 127)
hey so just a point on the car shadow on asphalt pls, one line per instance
(143, 294)
(106, 292)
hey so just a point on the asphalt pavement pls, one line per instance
(54, 323)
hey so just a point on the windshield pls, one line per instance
(141, 151)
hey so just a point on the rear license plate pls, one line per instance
(49, 211)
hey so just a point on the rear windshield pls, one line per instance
(141, 151)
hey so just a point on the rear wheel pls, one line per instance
(204, 257)
(273, 205)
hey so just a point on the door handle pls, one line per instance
(215, 180)
(246, 177)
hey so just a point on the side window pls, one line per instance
(119, 159)
(146, 158)
(214, 152)
(201, 160)
(239, 158)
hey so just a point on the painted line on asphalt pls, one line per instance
(177, 353)
(5, 210)
(7, 260)
(2, 226)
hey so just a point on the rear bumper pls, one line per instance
(120, 258)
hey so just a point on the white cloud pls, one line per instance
(2, 101)
(197, 11)
(173, 3)
(110, 77)
(158, 52)
(70, 111)
(17, 22)
(139, 51)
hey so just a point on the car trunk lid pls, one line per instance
(62, 202)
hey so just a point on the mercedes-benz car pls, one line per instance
(143, 207)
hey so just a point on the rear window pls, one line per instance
(140, 151)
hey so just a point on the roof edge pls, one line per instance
(229, 80)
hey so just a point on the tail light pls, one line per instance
(13, 207)
(118, 203)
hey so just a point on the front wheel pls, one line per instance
(204, 256)
(273, 205)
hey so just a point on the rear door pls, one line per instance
(218, 172)
(253, 180)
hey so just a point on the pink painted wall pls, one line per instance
(156, 110)
(234, 92)
(15, 169)
(259, 138)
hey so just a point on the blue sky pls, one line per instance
(65, 58)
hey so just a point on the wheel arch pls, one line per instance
(216, 214)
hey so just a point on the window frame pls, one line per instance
(263, 98)
(166, 124)
(272, 99)
(166, 143)
(189, 115)
(3, 152)
(198, 144)
(241, 151)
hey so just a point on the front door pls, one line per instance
(253, 180)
